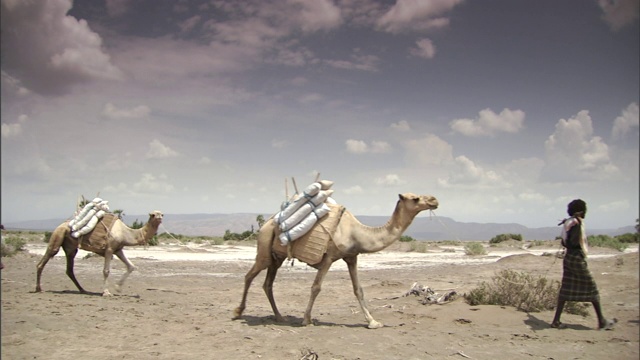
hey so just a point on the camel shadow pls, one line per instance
(291, 321)
(88, 293)
(537, 324)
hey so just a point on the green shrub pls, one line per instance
(505, 237)
(474, 248)
(406, 238)
(606, 241)
(47, 236)
(523, 291)
(628, 238)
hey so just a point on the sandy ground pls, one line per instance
(179, 304)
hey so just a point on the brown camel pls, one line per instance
(350, 239)
(118, 237)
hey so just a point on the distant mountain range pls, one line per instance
(422, 228)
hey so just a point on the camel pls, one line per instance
(118, 237)
(350, 239)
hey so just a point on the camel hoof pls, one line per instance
(375, 325)
(307, 323)
(237, 313)
(107, 293)
(118, 289)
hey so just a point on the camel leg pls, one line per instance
(108, 255)
(268, 286)
(70, 251)
(263, 261)
(55, 241)
(52, 250)
(253, 272)
(315, 288)
(130, 269)
(352, 264)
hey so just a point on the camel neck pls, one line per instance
(372, 239)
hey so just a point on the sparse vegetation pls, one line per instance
(474, 249)
(418, 246)
(505, 237)
(606, 241)
(628, 238)
(12, 245)
(523, 291)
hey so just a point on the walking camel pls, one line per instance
(119, 236)
(350, 239)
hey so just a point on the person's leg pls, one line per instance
(603, 323)
(556, 319)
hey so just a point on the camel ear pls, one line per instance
(401, 196)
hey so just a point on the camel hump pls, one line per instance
(96, 240)
(311, 247)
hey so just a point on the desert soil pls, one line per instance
(180, 307)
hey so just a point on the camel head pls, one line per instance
(415, 203)
(155, 218)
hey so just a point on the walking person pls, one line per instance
(577, 282)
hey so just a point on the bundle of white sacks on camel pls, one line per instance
(298, 216)
(87, 218)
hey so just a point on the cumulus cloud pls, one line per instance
(62, 51)
(361, 147)
(389, 180)
(428, 150)
(150, 184)
(112, 112)
(412, 15)
(357, 61)
(466, 173)
(573, 153)
(158, 150)
(356, 189)
(490, 123)
(14, 129)
(279, 143)
(424, 49)
(402, 125)
(619, 13)
(628, 120)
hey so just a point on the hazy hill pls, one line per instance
(422, 228)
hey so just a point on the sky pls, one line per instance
(504, 110)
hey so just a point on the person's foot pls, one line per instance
(558, 325)
(608, 324)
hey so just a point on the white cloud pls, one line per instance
(628, 120)
(415, 15)
(390, 180)
(361, 147)
(150, 184)
(356, 189)
(401, 125)
(14, 129)
(424, 49)
(490, 123)
(573, 153)
(429, 150)
(62, 50)
(279, 144)
(614, 206)
(466, 173)
(112, 112)
(157, 150)
(619, 13)
(357, 62)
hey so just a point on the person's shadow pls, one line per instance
(536, 324)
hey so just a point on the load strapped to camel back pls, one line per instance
(307, 222)
(92, 224)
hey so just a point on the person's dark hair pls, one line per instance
(577, 207)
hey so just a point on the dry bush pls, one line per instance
(524, 291)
